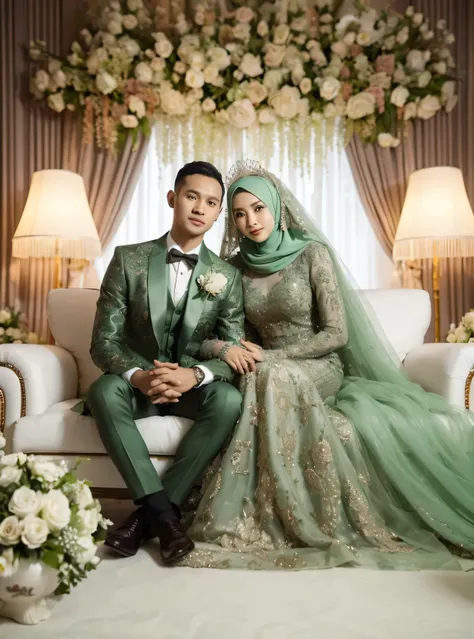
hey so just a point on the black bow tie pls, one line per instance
(176, 256)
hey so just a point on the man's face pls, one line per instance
(196, 204)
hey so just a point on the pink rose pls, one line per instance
(346, 91)
(385, 63)
(379, 96)
(345, 73)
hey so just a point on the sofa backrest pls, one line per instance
(404, 315)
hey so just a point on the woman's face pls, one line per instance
(252, 218)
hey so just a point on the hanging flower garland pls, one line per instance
(292, 66)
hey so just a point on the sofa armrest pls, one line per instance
(445, 369)
(33, 377)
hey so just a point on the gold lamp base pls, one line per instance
(435, 278)
(57, 272)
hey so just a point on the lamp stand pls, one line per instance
(57, 272)
(435, 277)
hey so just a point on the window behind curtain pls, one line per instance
(329, 195)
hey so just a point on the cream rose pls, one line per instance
(451, 103)
(24, 502)
(468, 320)
(267, 116)
(242, 113)
(3, 441)
(105, 82)
(130, 21)
(219, 58)
(47, 470)
(424, 79)
(14, 458)
(41, 82)
(10, 531)
(330, 111)
(440, 67)
(197, 60)
(305, 86)
(428, 106)
(447, 90)
(251, 65)
(158, 64)
(143, 72)
(208, 105)
(114, 27)
(8, 563)
(360, 105)
(87, 550)
(364, 38)
(416, 60)
(256, 92)
(88, 520)
(274, 55)
(285, 102)
(386, 140)
(244, 14)
(55, 507)
(129, 121)
(409, 111)
(10, 475)
(211, 75)
(262, 28)
(34, 532)
(329, 88)
(56, 102)
(164, 48)
(241, 31)
(417, 19)
(281, 34)
(194, 79)
(173, 102)
(399, 96)
(137, 106)
(340, 49)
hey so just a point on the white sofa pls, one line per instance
(39, 384)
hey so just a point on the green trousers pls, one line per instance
(115, 405)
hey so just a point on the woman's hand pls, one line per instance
(240, 359)
(254, 349)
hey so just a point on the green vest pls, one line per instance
(172, 328)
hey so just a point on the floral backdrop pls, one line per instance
(285, 65)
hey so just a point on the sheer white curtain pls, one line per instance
(329, 195)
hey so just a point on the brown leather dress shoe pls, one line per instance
(127, 538)
(174, 542)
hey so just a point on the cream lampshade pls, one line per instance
(56, 221)
(436, 222)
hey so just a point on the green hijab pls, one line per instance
(282, 247)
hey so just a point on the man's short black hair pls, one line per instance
(199, 168)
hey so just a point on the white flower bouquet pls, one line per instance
(47, 514)
(464, 332)
(253, 67)
(13, 330)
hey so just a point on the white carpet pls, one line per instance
(136, 598)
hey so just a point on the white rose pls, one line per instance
(211, 74)
(424, 79)
(34, 532)
(197, 60)
(305, 86)
(114, 27)
(360, 105)
(451, 103)
(409, 111)
(60, 79)
(451, 338)
(173, 102)
(9, 332)
(364, 38)
(109, 40)
(428, 106)
(399, 96)
(461, 335)
(410, 12)
(5, 315)
(267, 116)
(285, 102)
(194, 79)
(10, 531)
(244, 14)
(105, 82)
(9, 475)
(130, 21)
(208, 105)
(274, 55)
(440, 67)
(55, 507)
(349, 38)
(468, 320)
(242, 113)
(256, 92)
(416, 60)
(417, 19)
(8, 563)
(340, 49)
(297, 74)
(402, 36)
(386, 140)
(272, 79)
(450, 39)
(262, 28)
(380, 79)
(329, 88)
(47, 470)
(241, 31)
(222, 116)
(144, 72)
(447, 90)
(74, 59)
(219, 58)
(136, 105)
(24, 502)
(429, 35)
(53, 66)
(93, 63)
(345, 21)
(158, 64)
(389, 43)
(41, 82)
(129, 45)
(251, 65)
(330, 111)
(82, 494)
(361, 63)
(129, 121)
(164, 48)
(87, 550)
(88, 520)
(281, 34)
(3, 441)
(13, 459)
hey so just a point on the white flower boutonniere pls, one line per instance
(212, 283)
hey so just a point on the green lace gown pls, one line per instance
(316, 474)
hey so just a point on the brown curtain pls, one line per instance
(34, 138)
(382, 177)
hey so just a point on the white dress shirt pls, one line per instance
(180, 275)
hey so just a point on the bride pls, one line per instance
(337, 458)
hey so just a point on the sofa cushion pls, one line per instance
(61, 430)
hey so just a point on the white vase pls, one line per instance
(22, 596)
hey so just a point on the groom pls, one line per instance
(153, 313)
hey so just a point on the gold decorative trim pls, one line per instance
(2, 395)
(467, 389)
